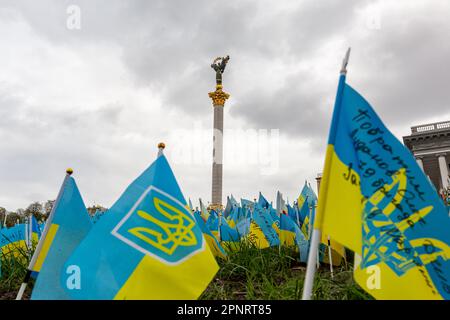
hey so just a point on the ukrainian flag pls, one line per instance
(68, 224)
(263, 231)
(287, 231)
(13, 241)
(148, 246)
(243, 226)
(213, 224)
(229, 237)
(307, 195)
(211, 240)
(376, 201)
(305, 212)
(247, 204)
(233, 217)
(35, 229)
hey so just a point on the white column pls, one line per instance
(444, 170)
(420, 162)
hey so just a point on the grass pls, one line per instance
(273, 274)
(14, 263)
(248, 273)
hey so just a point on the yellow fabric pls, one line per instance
(153, 279)
(337, 251)
(300, 201)
(257, 237)
(216, 235)
(45, 247)
(212, 244)
(287, 238)
(231, 223)
(18, 249)
(340, 216)
(340, 205)
(410, 286)
(305, 227)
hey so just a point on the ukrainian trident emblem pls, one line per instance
(160, 226)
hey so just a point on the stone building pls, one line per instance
(430, 145)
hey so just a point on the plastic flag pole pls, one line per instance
(27, 242)
(42, 239)
(30, 233)
(279, 217)
(310, 267)
(315, 240)
(330, 258)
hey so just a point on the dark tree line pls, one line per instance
(39, 210)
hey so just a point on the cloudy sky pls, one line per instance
(95, 85)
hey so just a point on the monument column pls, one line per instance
(218, 98)
(443, 169)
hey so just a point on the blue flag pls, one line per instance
(148, 246)
(69, 224)
(262, 202)
(229, 234)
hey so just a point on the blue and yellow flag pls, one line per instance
(13, 241)
(213, 243)
(290, 235)
(148, 246)
(243, 226)
(213, 224)
(229, 237)
(70, 223)
(35, 229)
(263, 231)
(262, 201)
(307, 195)
(287, 231)
(375, 200)
(247, 204)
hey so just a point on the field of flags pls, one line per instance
(263, 225)
(151, 243)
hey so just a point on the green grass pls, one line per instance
(273, 274)
(13, 270)
(248, 273)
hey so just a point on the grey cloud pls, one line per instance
(167, 46)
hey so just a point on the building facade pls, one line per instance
(430, 145)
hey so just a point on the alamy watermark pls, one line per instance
(200, 146)
(73, 21)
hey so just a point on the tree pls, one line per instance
(3, 212)
(93, 209)
(11, 219)
(36, 209)
(48, 206)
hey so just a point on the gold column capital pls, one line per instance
(218, 97)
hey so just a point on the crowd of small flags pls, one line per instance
(152, 244)
(263, 224)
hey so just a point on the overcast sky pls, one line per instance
(98, 93)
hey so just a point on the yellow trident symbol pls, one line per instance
(176, 232)
(439, 248)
